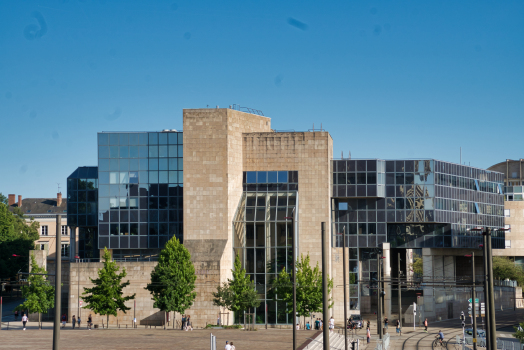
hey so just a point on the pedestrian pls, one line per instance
(368, 335)
(74, 321)
(64, 318)
(89, 322)
(386, 322)
(398, 328)
(317, 324)
(24, 320)
(321, 325)
(228, 347)
(308, 326)
(188, 323)
(218, 319)
(369, 324)
(426, 325)
(232, 346)
(298, 326)
(331, 324)
(184, 320)
(78, 320)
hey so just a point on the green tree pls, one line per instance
(39, 294)
(237, 294)
(519, 332)
(173, 279)
(309, 288)
(3, 199)
(106, 297)
(504, 268)
(417, 265)
(16, 237)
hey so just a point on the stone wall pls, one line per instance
(138, 274)
(212, 189)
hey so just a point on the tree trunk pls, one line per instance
(107, 321)
(39, 321)
(165, 319)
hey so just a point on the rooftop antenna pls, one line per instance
(313, 127)
(58, 183)
(341, 154)
(349, 154)
(320, 126)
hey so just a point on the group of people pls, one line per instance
(75, 320)
(186, 323)
(230, 346)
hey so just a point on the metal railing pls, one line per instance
(384, 343)
(246, 109)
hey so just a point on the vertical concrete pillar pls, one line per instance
(72, 243)
(387, 277)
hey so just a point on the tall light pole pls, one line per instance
(58, 284)
(325, 291)
(486, 288)
(294, 278)
(399, 294)
(473, 312)
(379, 295)
(492, 321)
(344, 263)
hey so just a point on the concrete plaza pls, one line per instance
(142, 338)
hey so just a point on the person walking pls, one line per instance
(369, 324)
(24, 320)
(74, 321)
(89, 322)
(228, 347)
(184, 320)
(331, 324)
(232, 346)
(64, 319)
(317, 324)
(426, 325)
(386, 322)
(398, 328)
(78, 320)
(368, 335)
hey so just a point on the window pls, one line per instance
(513, 174)
(506, 213)
(65, 249)
(44, 230)
(508, 228)
(42, 246)
(64, 230)
(508, 244)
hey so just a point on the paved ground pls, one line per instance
(277, 339)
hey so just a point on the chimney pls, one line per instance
(19, 201)
(11, 199)
(58, 199)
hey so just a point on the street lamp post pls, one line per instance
(294, 277)
(492, 321)
(58, 284)
(486, 288)
(473, 312)
(344, 263)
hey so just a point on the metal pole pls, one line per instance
(294, 252)
(78, 275)
(399, 295)
(344, 262)
(379, 301)
(134, 315)
(58, 284)
(325, 296)
(486, 289)
(1, 312)
(473, 302)
(492, 321)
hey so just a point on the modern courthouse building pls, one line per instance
(229, 184)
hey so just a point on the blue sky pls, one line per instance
(404, 79)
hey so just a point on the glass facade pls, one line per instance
(263, 234)
(82, 203)
(426, 204)
(140, 190)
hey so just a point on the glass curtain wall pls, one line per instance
(82, 204)
(141, 189)
(263, 236)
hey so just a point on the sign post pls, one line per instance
(414, 314)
